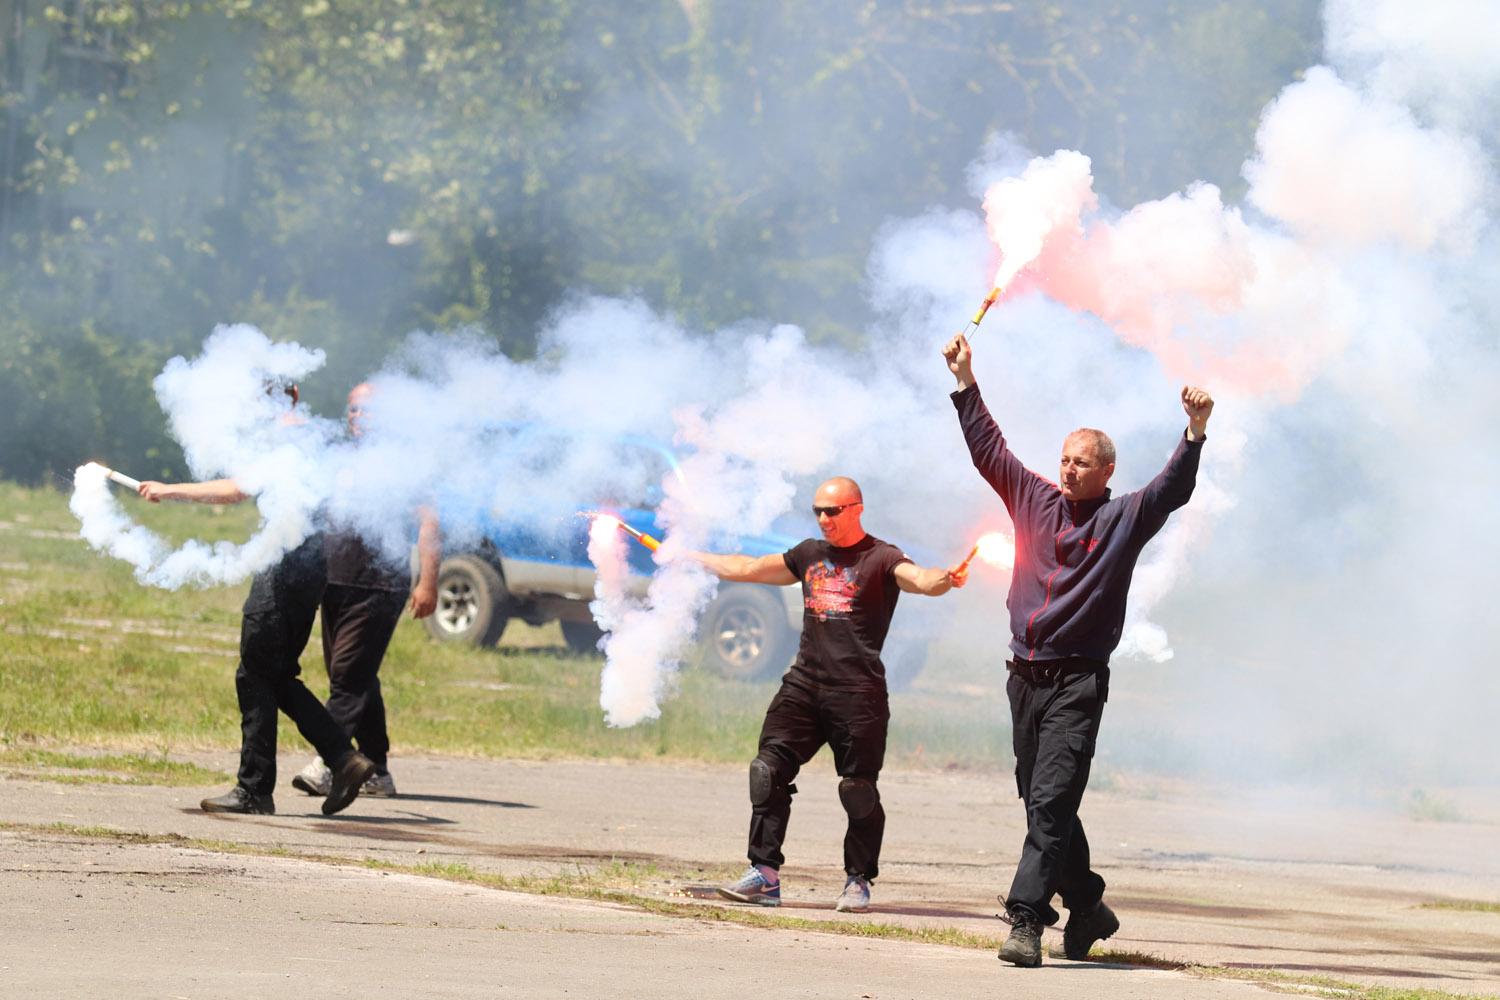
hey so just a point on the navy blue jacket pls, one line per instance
(1074, 559)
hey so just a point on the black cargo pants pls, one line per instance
(801, 719)
(1055, 709)
(277, 623)
(358, 623)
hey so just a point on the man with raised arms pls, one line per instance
(1076, 548)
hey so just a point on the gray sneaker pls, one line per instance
(856, 895)
(314, 779)
(382, 786)
(753, 888)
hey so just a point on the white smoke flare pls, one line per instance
(229, 412)
(644, 641)
(104, 524)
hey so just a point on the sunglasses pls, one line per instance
(834, 511)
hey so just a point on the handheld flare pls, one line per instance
(640, 536)
(963, 567)
(984, 306)
(133, 485)
(994, 548)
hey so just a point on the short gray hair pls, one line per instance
(1104, 448)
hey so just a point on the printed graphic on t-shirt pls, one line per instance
(831, 590)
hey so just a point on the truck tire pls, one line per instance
(473, 605)
(744, 634)
(582, 637)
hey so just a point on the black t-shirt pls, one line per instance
(352, 563)
(848, 597)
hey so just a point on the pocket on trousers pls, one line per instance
(1081, 743)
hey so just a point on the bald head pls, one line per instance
(838, 504)
(838, 490)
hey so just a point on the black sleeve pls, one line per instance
(797, 557)
(895, 557)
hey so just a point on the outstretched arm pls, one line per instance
(746, 569)
(987, 447)
(212, 491)
(932, 581)
(429, 558)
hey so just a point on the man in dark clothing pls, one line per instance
(277, 621)
(1076, 548)
(835, 691)
(362, 604)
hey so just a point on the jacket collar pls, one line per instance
(1082, 510)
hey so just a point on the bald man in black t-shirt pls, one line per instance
(835, 691)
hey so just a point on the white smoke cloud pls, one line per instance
(1045, 201)
(104, 524)
(1325, 579)
(1436, 57)
(1335, 163)
(645, 639)
(230, 426)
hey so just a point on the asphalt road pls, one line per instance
(1217, 877)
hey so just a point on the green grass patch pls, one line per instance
(1461, 905)
(94, 658)
(1139, 959)
(118, 769)
(1431, 809)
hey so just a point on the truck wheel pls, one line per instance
(473, 605)
(582, 637)
(745, 635)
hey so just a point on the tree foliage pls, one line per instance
(342, 172)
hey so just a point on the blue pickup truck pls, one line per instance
(536, 568)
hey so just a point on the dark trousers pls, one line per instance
(1055, 711)
(269, 678)
(358, 623)
(801, 718)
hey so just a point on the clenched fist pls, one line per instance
(956, 352)
(1197, 404)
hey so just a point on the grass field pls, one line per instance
(89, 657)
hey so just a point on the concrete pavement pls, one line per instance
(1217, 878)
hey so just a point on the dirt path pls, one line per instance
(1212, 878)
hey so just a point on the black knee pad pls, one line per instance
(860, 797)
(762, 781)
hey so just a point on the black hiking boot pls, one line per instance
(349, 775)
(1024, 946)
(240, 799)
(1087, 926)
